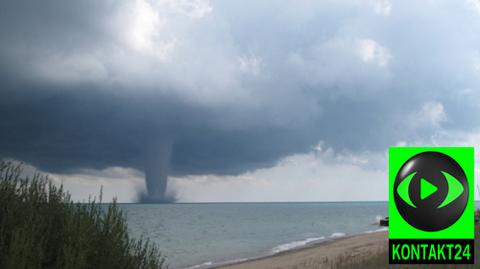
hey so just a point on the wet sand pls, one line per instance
(316, 256)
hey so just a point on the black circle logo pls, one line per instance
(431, 191)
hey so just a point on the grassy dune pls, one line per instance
(40, 227)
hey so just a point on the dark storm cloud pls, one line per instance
(60, 131)
(65, 126)
(231, 87)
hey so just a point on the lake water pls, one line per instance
(200, 235)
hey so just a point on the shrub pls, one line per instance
(41, 227)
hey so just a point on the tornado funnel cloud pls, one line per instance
(157, 165)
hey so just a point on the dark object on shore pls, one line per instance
(384, 222)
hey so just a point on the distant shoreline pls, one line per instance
(279, 202)
(260, 202)
(314, 253)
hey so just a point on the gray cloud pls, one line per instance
(233, 86)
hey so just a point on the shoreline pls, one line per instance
(314, 252)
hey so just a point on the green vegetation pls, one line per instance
(40, 227)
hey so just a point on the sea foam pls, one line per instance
(296, 244)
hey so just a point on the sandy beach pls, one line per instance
(314, 256)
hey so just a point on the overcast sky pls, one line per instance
(260, 100)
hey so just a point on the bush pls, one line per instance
(40, 227)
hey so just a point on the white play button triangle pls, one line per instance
(426, 188)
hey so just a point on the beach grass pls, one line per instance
(41, 227)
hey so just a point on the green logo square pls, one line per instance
(431, 193)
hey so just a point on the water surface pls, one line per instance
(209, 233)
